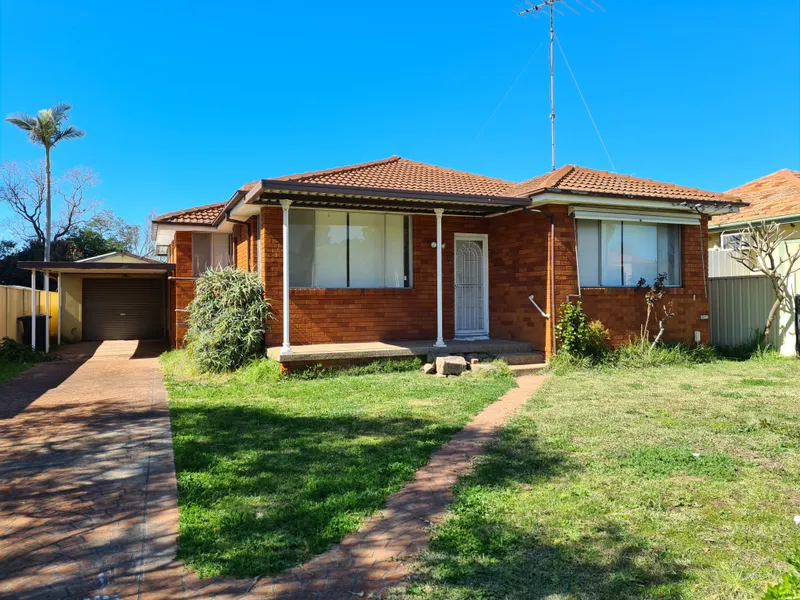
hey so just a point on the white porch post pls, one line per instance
(287, 347)
(59, 308)
(33, 309)
(47, 311)
(439, 336)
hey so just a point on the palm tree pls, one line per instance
(47, 128)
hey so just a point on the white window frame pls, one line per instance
(733, 241)
(410, 249)
(615, 218)
(212, 246)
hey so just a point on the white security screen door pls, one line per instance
(471, 286)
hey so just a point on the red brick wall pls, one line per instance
(622, 310)
(518, 267)
(181, 290)
(360, 315)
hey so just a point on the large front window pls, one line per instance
(620, 253)
(335, 249)
(209, 250)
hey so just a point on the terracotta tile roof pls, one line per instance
(571, 178)
(401, 174)
(775, 195)
(395, 173)
(200, 215)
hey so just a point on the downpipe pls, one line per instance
(552, 217)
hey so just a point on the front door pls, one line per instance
(471, 286)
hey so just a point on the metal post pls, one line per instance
(59, 308)
(552, 94)
(286, 348)
(47, 311)
(33, 309)
(439, 336)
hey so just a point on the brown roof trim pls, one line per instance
(41, 265)
(277, 185)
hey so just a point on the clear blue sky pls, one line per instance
(185, 101)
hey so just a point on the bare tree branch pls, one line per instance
(23, 188)
(764, 250)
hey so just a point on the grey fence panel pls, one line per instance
(739, 307)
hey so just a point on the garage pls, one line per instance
(116, 296)
(123, 309)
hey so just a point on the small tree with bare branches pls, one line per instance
(763, 249)
(23, 188)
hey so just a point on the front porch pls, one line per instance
(515, 352)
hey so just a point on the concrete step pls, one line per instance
(529, 369)
(522, 358)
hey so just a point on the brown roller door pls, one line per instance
(123, 309)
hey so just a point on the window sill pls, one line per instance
(345, 291)
(599, 291)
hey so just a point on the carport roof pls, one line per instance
(97, 268)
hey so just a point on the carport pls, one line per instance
(119, 296)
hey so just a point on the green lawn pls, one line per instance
(678, 482)
(9, 370)
(273, 471)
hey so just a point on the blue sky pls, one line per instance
(185, 101)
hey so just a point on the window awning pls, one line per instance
(640, 217)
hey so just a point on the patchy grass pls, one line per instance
(9, 370)
(672, 482)
(274, 470)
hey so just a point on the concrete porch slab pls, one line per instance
(366, 350)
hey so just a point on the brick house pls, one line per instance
(400, 250)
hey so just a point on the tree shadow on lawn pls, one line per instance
(262, 491)
(491, 548)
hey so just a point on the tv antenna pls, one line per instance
(549, 7)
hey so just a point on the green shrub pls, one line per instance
(572, 330)
(633, 354)
(598, 340)
(13, 352)
(789, 586)
(753, 347)
(227, 320)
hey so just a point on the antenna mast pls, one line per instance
(550, 7)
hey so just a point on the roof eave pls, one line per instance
(389, 193)
(780, 219)
(724, 205)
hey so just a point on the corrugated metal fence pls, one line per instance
(739, 302)
(739, 308)
(15, 301)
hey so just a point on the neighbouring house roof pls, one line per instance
(417, 184)
(121, 256)
(199, 215)
(769, 197)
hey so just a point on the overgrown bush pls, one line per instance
(572, 330)
(12, 351)
(635, 355)
(789, 586)
(598, 340)
(227, 320)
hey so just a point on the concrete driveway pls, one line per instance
(87, 485)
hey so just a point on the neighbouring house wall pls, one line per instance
(518, 268)
(363, 315)
(71, 313)
(181, 289)
(623, 310)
